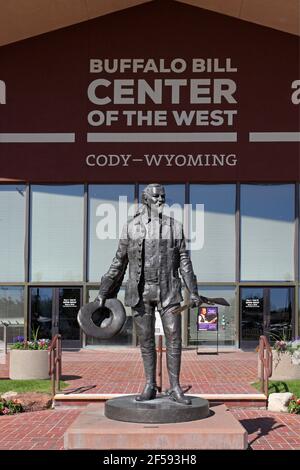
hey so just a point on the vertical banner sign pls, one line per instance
(207, 319)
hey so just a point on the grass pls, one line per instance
(280, 386)
(23, 386)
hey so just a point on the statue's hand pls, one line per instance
(195, 300)
(203, 300)
(101, 300)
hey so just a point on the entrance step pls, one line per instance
(231, 400)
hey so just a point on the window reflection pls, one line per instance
(108, 212)
(41, 312)
(214, 260)
(12, 232)
(56, 233)
(267, 232)
(12, 311)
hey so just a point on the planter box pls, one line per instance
(283, 368)
(28, 364)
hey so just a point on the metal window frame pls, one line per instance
(85, 284)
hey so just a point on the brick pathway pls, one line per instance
(115, 371)
(45, 429)
(122, 371)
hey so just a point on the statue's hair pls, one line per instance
(147, 191)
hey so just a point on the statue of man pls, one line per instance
(154, 247)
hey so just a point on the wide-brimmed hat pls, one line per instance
(102, 322)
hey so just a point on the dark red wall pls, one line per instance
(47, 79)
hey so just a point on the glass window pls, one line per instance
(109, 207)
(12, 311)
(267, 232)
(266, 311)
(41, 310)
(253, 304)
(124, 338)
(212, 235)
(12, 232)
(227, 335)
(56, 233)
(279, 318)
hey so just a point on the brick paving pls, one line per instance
(121, 371)
(45, 429)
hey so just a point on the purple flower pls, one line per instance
(18, 339)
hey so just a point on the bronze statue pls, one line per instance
(153, 246)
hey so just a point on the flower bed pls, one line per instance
(35, 344)
(286, 360)
(29, 359)
(290, 347)
(294, 405)
(10, 407)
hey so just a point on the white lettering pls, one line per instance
(92, 91)
(175, 89)
(2, 92)
(155, 94)
(296, 94)
(212, 65)
(224, 87)
(108, 160)
(140, 91)
(122, 90)
(183, 117)
(97, 118)
(197, 90)
(216, 117)
(95, 65)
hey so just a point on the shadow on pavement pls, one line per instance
(70, 377)
(261, 426)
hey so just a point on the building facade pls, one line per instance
(207, 105)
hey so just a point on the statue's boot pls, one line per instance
(175, 392)
(150, 389)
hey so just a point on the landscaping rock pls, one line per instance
(34, 401)
(9, 395)
(279, 401)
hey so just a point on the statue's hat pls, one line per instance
(102, 322)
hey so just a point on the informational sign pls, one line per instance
(254, 303)
(70, 303)
(207, 319)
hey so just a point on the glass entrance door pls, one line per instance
(54, 310)
(266, 311)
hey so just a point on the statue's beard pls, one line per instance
(155, 210)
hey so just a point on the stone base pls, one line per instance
(92, 430)
(157, 411)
